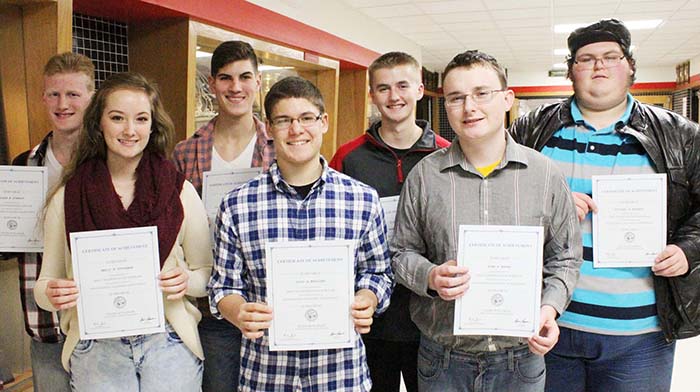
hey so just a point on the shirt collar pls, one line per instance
(578, 117)
(454, 156)
(282, 186)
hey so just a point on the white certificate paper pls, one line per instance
(505, 264)
(629, 229)
(117, 276)
(216, 185)
(390, 205)
(310, 286)
(22, 194)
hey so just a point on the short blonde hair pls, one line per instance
(69, 62)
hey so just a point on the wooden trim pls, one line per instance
(352, 105)
(13, 86)
(164, 52)
(47, 30)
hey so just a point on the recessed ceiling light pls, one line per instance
(201, 54)
(632, 25)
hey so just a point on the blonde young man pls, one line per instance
(382, 158)
(69, 83)
(483, 178)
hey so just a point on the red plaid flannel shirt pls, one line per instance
(41, 325)
(193, 156)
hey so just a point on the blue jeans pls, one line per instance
(221, 342)
(444, 370)
(584, 361)
(48, 374)
(141, 363)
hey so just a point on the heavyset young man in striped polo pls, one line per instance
(617, 334)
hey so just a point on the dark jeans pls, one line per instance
(441, 369)
(387, 360)
(48, 374)
(584, 361)
(221, 342)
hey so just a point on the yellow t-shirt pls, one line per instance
(486, 170)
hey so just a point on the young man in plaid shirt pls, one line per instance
(234, 139)
(298, 199)
(69, 82)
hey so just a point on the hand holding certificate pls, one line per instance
(310, 288)
(629, 229)
(117, 275)
(505, 264)
(22, 193)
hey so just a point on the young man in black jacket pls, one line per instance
(382, 158)
(617, 333)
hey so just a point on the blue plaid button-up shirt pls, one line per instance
(269, 209)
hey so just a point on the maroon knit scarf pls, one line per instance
(91, 203)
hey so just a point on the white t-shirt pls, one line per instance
(241, 162)
(54, 168)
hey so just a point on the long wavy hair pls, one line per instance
(91, 142)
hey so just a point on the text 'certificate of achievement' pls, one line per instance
(390, 205)
(310, 286)
(22, 193)
(117, 275)
(629, 229)
(505, 264)
(216, 185)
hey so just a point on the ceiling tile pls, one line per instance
(392, 11)
(447, 7)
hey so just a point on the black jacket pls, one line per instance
(368, 159)
(673, 145)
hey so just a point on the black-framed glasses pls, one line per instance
(479, 97)
(306, 120)
(608, 61)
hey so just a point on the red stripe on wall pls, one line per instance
(240, 16)
(646, 86)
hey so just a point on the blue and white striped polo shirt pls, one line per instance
(610, 301)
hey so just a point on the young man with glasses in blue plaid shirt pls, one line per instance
(298, 199)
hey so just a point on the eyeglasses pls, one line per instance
(479, 98)
(608, 61)
(306, 120)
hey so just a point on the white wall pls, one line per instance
(539, 78)
(353, 26)
(694, 66)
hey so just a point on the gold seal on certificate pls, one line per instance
(117, 276)
(629, 229)
(505, 265)
(310, 286)
(22, 194)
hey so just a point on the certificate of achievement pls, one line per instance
(117, 276)
(389, 205)
(310, 286)
(629, 229)
(216, 185)
(22, 193)
(505, 264)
